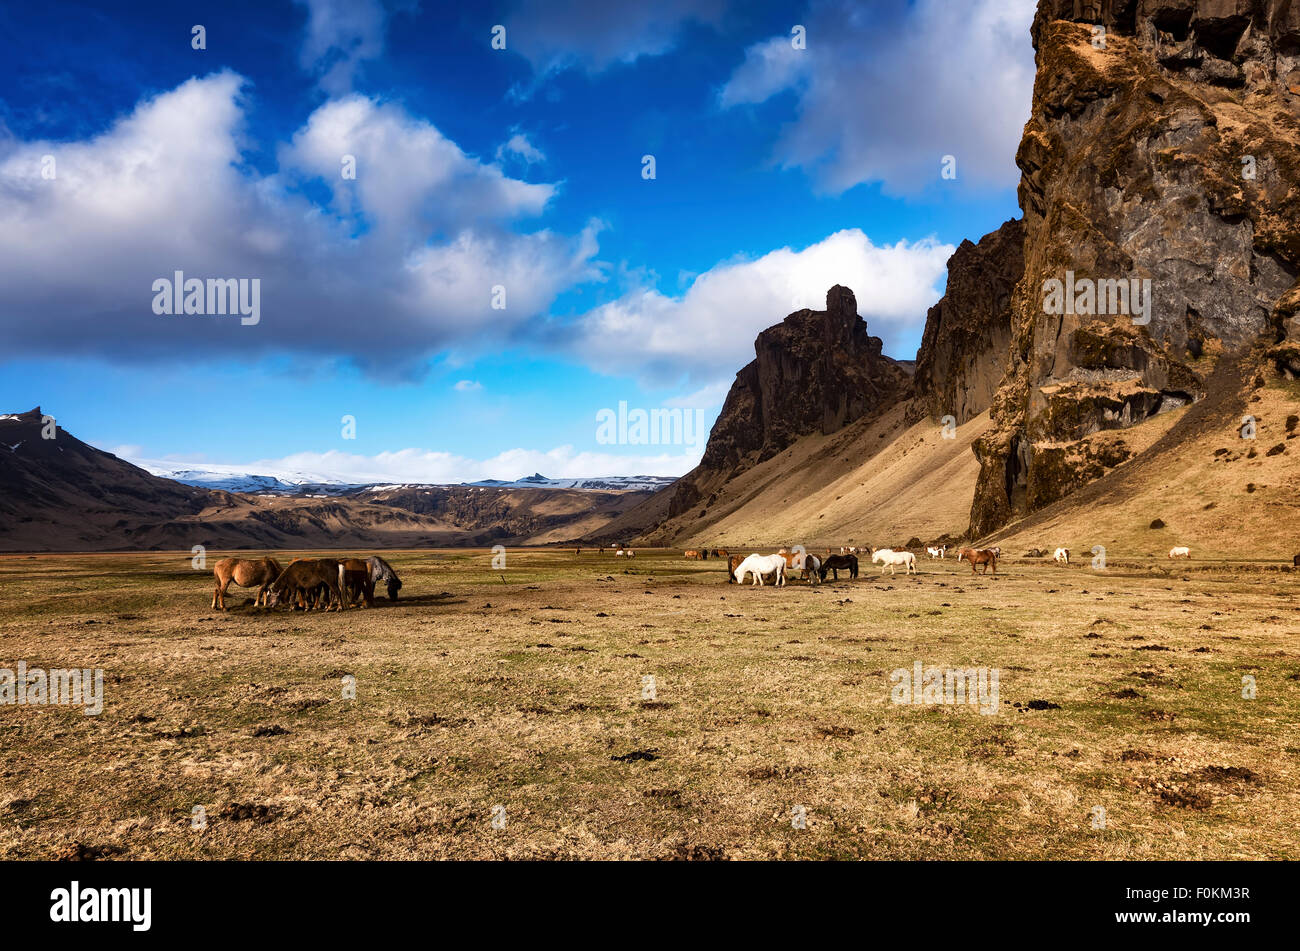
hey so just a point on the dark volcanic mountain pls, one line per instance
(816, 371)
(61, 493)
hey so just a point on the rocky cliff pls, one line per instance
(967, 336)
(816, 371)
(1161, 195)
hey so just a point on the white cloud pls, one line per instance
(519, 145)
(708, 332)
(402, 267)
(341, 35)
(770, 67)
(885, 92)
(706, 397)
(407, 173)
(595, 34)
(468, 386)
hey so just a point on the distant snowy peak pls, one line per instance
(233, 479)
(605, 483)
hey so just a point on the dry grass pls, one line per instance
(526, 693)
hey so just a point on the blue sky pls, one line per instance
(786, 160)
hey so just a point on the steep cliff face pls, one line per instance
(816, 371)
(963, 353)
(1160, 160)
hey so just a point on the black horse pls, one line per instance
(381, 570)
(838, 563)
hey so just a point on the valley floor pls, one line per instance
(520, 695)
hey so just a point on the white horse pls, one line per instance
(1062, 556)
(759, 565)
(1180, 551)
(937, 552)
(888, 558)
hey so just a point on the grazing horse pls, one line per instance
(246, 573)
(1062, 556)
(304, 576)
(759, 565)
(838, 563)
(691, 554)
(717, 555)
(733, 562)
(1180, 551)
(888, 558)
(355, 581)
(811, 567)
(937, 552)
(381, 570)
(1296, 561)
(981, 556)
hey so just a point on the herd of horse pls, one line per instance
(330, 583)
(814, 568)
(336, 584)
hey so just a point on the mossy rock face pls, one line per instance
(1059, 470)
(1077, 411)
(1114, 347)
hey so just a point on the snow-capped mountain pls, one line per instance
(605, 483)
(291, 482)
(234, 479)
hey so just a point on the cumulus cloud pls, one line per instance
(468, 386)
(409, 260)
(706, 333)
(595, 34)
(885, 91)
(408, 174)
(429, 466)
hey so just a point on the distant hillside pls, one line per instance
(60, 494)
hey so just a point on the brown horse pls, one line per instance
(303, 577)
(246, 573)
(355, 581)
(980, 556)
(692, 554)
(732, 564)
